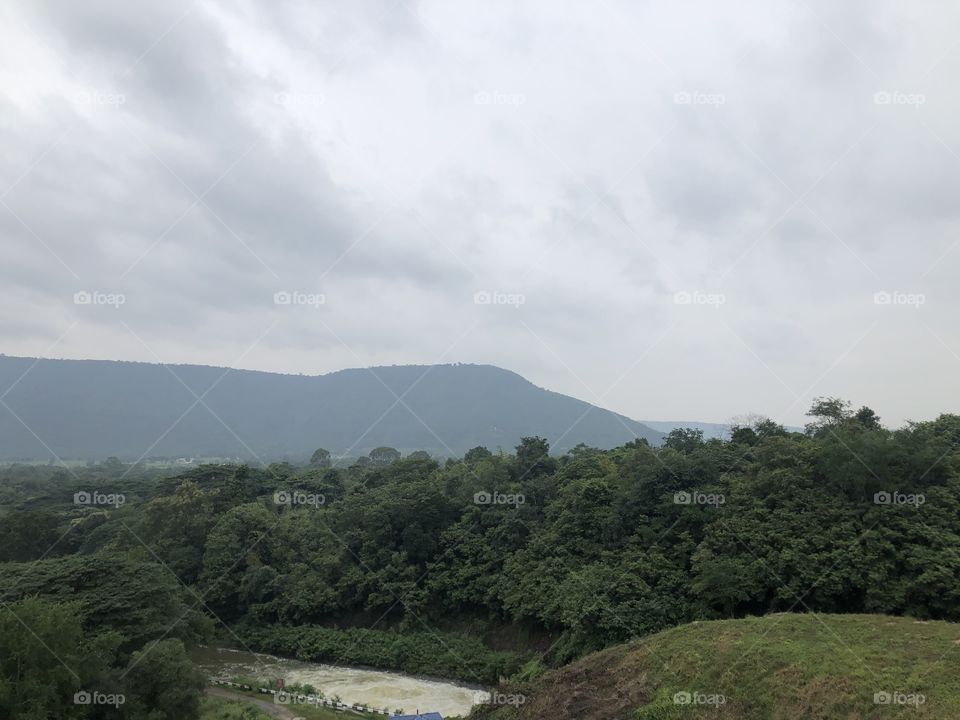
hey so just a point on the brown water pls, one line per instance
(376, 688)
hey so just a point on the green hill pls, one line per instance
(91, 409)
(784, 667)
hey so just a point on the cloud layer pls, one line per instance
(689, 211)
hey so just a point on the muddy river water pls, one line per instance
(376, 688)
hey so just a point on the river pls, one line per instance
(376, 688)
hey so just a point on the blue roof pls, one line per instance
(421, 716)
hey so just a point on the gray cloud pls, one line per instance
(792, 160)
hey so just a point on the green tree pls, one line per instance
(533, 458)
(320, 458)
(868, 418)
(685, 440)
(383, 456)
(240, 540)
(162, 683)
(43, 661)
(476, 454)
(175, 528)
(827, 413)
(30, 535)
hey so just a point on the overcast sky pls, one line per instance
(678, 211)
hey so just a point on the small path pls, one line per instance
(272, 709)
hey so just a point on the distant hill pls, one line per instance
(793, 666)
(83, 409)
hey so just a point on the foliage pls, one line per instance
(472, 567)
(421, 653)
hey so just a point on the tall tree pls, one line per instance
(383, 456)
(320, 458)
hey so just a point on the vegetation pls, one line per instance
(482, 567)
(214, 708)
(421, 653)
(784, 666)
(52, 666)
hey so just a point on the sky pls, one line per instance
(678, 211)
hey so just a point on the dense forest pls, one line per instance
(480, 568)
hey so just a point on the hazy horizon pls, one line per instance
(741, 417)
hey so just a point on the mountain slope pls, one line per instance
(787, 667)
(94, 408)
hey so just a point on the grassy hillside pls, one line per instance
(785, 667)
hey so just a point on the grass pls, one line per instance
(783, 667)
(308, 712)
(213, 708)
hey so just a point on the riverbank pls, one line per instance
(443, 655)
(268, 707)
(350, 686)
(291, 711)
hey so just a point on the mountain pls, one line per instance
(83, 409)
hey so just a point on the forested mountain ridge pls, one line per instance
(95, 408)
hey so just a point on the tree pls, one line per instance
(868, 418)
(767, 428)
(239, 540)
(828, 412)
(29, 535)
(162, 683)
(760, 429)
(477, 454)
(383, 456)
(42, 661)
(320, 458)
(113, 591)
(721, 583)
(743, 435)
(175, 529)
(684, 440)
(533, 458)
